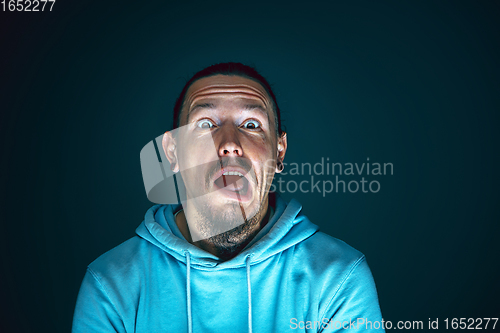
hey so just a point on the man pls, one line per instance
(232, 257)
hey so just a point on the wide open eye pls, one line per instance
(251, 124)
(205, 124)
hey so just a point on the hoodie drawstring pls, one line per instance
(249, 288)
(188, 291)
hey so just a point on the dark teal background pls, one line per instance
(416, 84)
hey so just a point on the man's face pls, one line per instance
(227, 147)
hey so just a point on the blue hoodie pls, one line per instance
(290, 278)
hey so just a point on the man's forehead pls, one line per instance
(224, 86)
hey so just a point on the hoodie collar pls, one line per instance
(286, 228)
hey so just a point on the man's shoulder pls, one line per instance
(328, 251)
(122, 259)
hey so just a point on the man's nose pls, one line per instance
(229, 144)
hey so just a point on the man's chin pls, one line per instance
(219, 214)
(247, 202)
(227, 206)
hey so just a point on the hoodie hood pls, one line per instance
(286, 228)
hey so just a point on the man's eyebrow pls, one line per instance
(254, 106)
(201, 106)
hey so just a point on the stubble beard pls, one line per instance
(237, 232)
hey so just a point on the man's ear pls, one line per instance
(170, 149)
(282, 144)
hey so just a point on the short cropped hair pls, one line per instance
(230, 69)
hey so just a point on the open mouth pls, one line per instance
(232, 181)
(233, 184)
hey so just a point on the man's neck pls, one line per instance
(232, 241)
